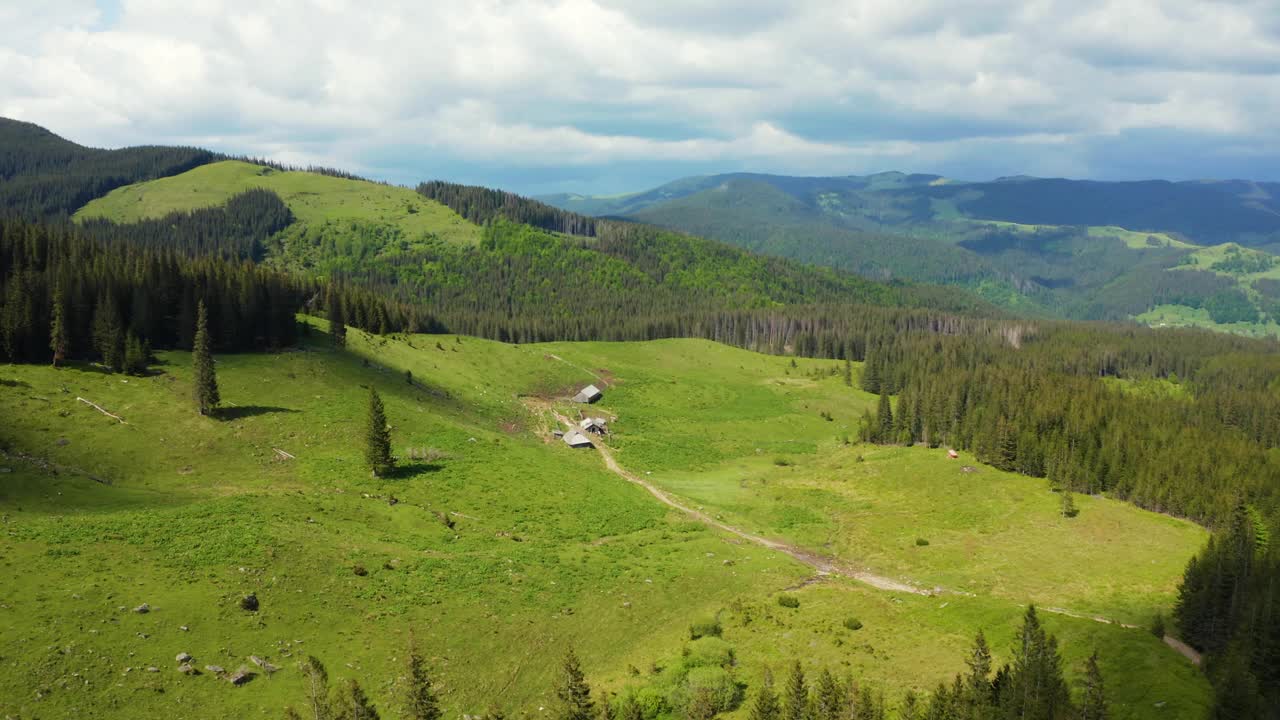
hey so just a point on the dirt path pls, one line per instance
(824, 565)
(1187, 651)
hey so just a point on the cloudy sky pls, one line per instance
(614, 95)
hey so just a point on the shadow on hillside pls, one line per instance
(406, 470)
(14, 383)
(239, 412)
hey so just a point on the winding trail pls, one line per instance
(823, 564)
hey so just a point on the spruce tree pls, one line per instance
(377, 451)
(317, 685)
(572, 690)
(337, 319)
(204, 378)
(135, 355)
(848, 372)
(766, 706)
(1036, 689)
(977, 687)
(884, 419)
(631, 709)
(353, 704)
(420, 700)
(796, 700)
(59, 341)
(827, 697)
(108, 336)
(1093, 706)
(1069, 509)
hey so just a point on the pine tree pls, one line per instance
(420, 700)
(796, 701)
(606, 710)
(205, 379)
(1093, 705)
(884, 419)
(848, 372)
(378, 438)
(910, 709)
(59, 342)
(353, 704)
(135, 355)
(827, 697)
(631, 709)
(337, 319)
(977, 687)
(108, 335)
(572, 690)
(766, 706)
(1069, 509)
(1036, 689)
(317, 684)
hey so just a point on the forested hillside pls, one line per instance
(1057, 247)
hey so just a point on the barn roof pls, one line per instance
(573, 438)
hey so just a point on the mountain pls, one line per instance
(1083, 249)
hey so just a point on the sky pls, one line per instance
(606, 96)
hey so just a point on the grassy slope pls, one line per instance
(314, 199)
(201, 511)
(717, 442)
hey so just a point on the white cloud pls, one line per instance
(579, 83)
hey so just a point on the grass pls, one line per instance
(314, 199)
(1186, 316)
(548, 549)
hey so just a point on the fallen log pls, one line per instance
(99, 408)
(284, 455)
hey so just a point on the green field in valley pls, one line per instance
(548, 549)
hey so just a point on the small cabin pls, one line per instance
(953, 454)
(589, 394)
(594, 425)
(575, 439)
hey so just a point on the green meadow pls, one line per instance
(314, 199)
(499, 546)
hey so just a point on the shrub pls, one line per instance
(921, 542)
(714, 687)
(782, 462)
(709, 627)
(359, 570)
(788, 601)
(853, 623)
(708, 652)
(249, 602)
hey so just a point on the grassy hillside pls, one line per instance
(189, 514)
(316, 200)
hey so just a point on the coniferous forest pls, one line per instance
(1177, 421)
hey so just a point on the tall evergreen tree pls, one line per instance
(353, 704)
(572, 691)
(884, 419)
(108, 333)
(317, 686)
(827, 701)
(1093, 706)
(1036, 689)
(796, 699)
(420, 702)
(59, 338)
(377, 451)
(766, 706)
(204, 378)
(977, 687)
(631, 709)
(848, 372)
(337, 318)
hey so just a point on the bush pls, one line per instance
(249, 602)
(921, 542)
(708, 652)
(853, 623)
(709, 627)
(788, 601)
(782, 462)
(359, 570)
(713, 686)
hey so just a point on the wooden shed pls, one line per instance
(589, 394)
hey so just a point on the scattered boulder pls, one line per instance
(184, 628)
(183, 657)
(249, 602)
(240, 676)
(260, 662)
(188, 669)
(62, 442)
(142, 609)
(153, 668)
(215, 669)
(359, 570)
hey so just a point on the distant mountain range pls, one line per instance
(1074, 248)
